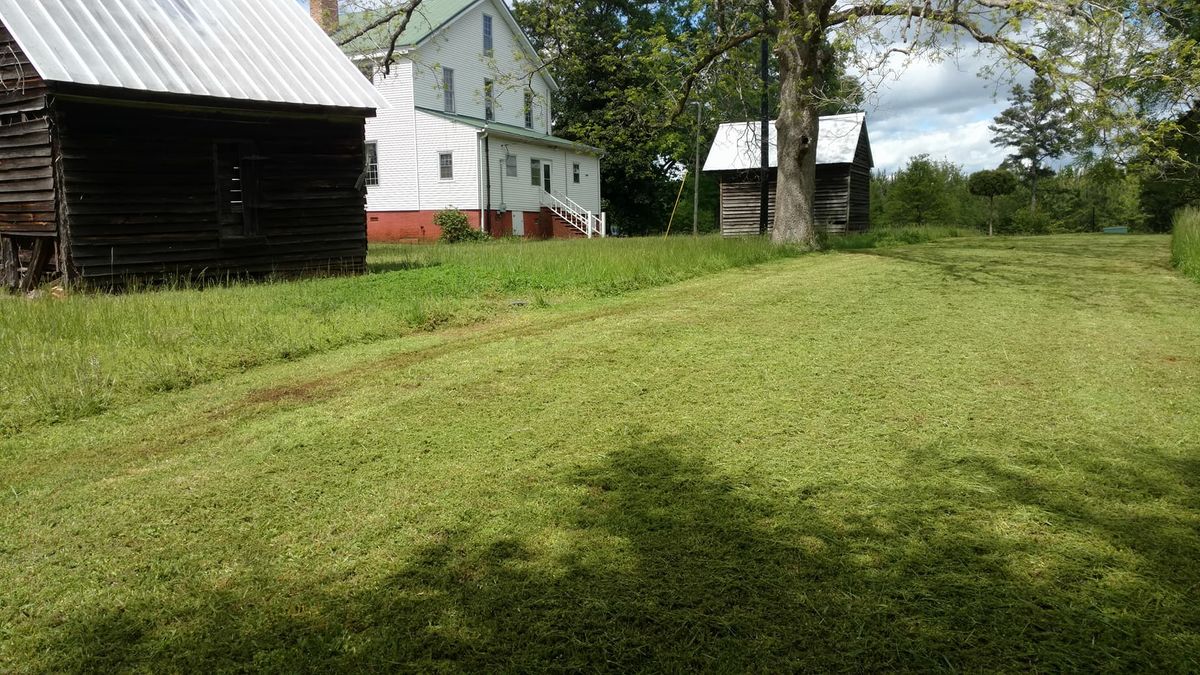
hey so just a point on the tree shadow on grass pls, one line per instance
(667, 564)
(1082, 274)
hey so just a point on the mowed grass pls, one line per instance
(1185, 242)
(66, 359)
(970, 455)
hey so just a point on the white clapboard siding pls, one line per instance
(434, 136)
(460, 46)
(394, 131)
(519, 192)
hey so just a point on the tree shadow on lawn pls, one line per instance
(1081, 274)
(667, 564)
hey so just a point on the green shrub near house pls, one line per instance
(456, 228)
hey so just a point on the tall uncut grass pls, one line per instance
(68, 358)
(1185, 242)
(65, 359)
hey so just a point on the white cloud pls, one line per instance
(966, 144)
(939, 108)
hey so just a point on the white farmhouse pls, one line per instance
(469, 127)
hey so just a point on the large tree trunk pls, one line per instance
(799, 67)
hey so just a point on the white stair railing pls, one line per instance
(590, 224)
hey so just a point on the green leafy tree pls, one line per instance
(1039, 127)
(922, 193)
(992, 183)
(1171, 179)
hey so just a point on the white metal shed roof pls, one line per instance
(252, 50)
(738, 147)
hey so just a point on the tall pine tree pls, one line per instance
(1039, 126)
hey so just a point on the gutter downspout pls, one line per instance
(485, 222)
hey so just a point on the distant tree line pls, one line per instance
(1026, 195)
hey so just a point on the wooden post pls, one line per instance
(42, 250)
(10, 264)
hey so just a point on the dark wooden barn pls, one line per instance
(844, 163)
(158, 138)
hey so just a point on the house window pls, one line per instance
(487, 35)
(575, 173)
(535, 172)
(528, 110)
(448, 89)
(446, 165)
(372, 169)
(510, 165)
(236, 188)
(489, 103)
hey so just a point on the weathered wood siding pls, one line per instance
(860, 185)
(740, 200)
(860, 199)
(27, 203)
(142, 198)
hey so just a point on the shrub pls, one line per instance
(1028, 221)
(456, 228)
(1185, 242)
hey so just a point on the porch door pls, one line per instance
(546, 173)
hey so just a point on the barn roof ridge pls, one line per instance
(736, 145)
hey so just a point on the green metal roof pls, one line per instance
(513, 131)
(427, 19)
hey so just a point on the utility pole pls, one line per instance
(764, 169)
(696, 188)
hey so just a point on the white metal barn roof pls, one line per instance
(252, 50)
(737, 146)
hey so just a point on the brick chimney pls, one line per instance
(325, 13)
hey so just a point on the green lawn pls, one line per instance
(970, 455)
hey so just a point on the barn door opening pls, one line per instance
(236, 188)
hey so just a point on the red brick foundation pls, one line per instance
(402, 226)
(399, 226)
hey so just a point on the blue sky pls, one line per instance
(941, 109)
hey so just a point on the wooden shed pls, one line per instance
(152, 138)
(844, 163)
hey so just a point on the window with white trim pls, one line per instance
(446, 165)
(575, 173)
(529, 110)
(487, 35)
(510, 165)
(489, 100)
(372, 168)
(535, 172)
(448, 89)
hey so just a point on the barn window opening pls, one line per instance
(446, 165)
(237, 188)
(528, 110)
(575, 173)
(510, 165)
(372, 168)
(21, 117)
(448, 89)
(489, 100)
(535, 172)
(487, 35)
